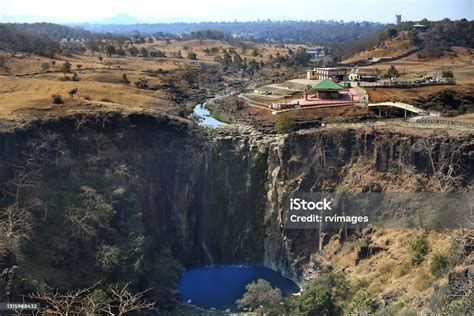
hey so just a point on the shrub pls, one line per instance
(45, 66)
(142, 83)
(447, 74)
(192, 56)
(284, 124)
(106, 100)
(439, 264)
(361, 283)
(419, 248)
(363, 304)
(471, 155)
(125, 79)
(461, 306)
(57, 99)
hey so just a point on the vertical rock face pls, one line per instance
(318, 161)
(219, 199)
(230, 215)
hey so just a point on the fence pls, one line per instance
(405, 84)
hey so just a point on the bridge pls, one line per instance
(401, 106)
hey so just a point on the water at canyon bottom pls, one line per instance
(220, 286)
(205, 116)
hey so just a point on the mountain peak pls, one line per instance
(122, 18)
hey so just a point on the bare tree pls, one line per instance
(124, 301)
(115, 300)
(16, 225)
(82, 222)
(64, 304)
(95, 302)
(424, 145)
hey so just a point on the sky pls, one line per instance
(66, 11)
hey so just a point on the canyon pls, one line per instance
(202, 196)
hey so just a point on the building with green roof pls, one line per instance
(326, 89)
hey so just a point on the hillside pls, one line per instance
(392, 47)
(13, 38)
(399, 41)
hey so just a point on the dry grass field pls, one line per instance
(26, 83)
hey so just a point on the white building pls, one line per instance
(336, 74)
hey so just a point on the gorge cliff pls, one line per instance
(134, 197)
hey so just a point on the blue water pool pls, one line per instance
(221, 286)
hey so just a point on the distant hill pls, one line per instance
(120, 19)
(290, 32)
(53, 31)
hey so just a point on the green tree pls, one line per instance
(324, 295)
(439, 264)
(392, 72)
(144, 52)
(419, 249)
(390, 32)
(192, 56)
(284, 124)
(110, 50)
(133, 51)
(108, 257)
(66, 68)
(260, 296)
(120, 51)
(447, 74)
(301, 57)
(226, 60)
(125, 79)
(72, 92)
(57, 99)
